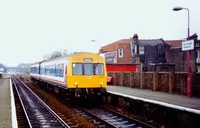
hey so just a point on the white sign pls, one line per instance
(188, 45)
(110, 57)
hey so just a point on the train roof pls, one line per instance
(36, 63)
(66, 56)
(69, 55)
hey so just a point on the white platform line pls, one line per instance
(13, 109)
(196, 111)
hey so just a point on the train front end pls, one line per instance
(86, 74)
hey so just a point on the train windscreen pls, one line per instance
(87, 69)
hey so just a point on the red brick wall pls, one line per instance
(169, 82)
(126, 53)
(117, 45)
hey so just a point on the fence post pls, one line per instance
(121, 79)
(130, 79)
(171, 81)
(141, 77)
(155, 81)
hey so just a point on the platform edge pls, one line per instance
(13, 109)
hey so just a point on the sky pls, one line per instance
(31, 29)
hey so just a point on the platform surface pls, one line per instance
(169, 100)
(5, 104)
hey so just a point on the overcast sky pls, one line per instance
(31, 29)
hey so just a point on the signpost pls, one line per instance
(187, 45)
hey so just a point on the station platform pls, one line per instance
(7, 105)
(179, 102)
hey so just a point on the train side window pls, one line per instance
(58, 70)
(45, 68)
(77, 69)
(62, 70)
(42, 70)
(88, 69)
(32, 69)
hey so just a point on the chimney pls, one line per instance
(135, 38)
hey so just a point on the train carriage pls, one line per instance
(53, 71)
(35, 71)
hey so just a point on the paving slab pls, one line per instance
(5, 104)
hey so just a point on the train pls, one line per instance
(81, 73)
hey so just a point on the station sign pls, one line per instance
(187, 45)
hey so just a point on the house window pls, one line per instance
(160, 49)
(141, 50)
(198, 54)
(133, 49)
(120, 53)
(164, 69)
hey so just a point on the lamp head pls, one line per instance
(177, 8)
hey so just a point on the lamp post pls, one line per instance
(189, 52)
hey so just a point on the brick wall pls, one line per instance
(126, 51)
(121, 44)
(169, 82)
(179, 57)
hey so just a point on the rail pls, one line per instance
(107, 118)
(37, 112)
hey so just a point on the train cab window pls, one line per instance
(98, 69)
(77, 69)
(88, 69)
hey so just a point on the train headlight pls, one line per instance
(76, 83)
(101, 83)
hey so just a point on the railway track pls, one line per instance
(38, 114)
(105, 118)
(21, 117)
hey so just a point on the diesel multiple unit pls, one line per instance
(81, 73)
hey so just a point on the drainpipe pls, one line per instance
(131, 44)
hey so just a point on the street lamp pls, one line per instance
(189, 75)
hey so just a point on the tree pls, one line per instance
(55, 54)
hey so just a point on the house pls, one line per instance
(150, 54)
(197, 47)
(117, 52)
(23, 67)
(174, 54)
